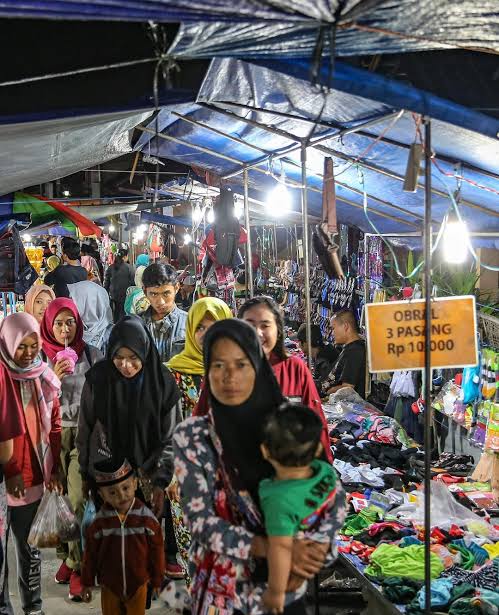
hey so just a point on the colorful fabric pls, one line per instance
(486, 577)
(355, 524)
(190, 360)
(189, 387)
(440, 593)
(480, 555)
(389, 561)
(399, 590)
(50, 345)
(292, 505)
(492, 550)
(136, 302)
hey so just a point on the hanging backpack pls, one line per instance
(227, 230)
(16, 272)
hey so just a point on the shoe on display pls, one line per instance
(75, 587)
(63, 575)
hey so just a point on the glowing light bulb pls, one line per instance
(26, 237)
(66, 193)
(210, 218)
(197, 215)
(112, 228)
(455, 240)
(279, 201)
(187, 239)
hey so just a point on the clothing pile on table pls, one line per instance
(384, 539)
(370, 449)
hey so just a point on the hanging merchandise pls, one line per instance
(16, 272)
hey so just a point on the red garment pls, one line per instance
(50, 345)
(11, 409)
(124, 555)
(25, 460)
(297, 384)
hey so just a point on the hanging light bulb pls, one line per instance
(197, 215)
(455, 240)
(112, 228)
(66, 193)
(27, 237)
(238, 207)
(187, 239)
(279, 201)
(210, 217)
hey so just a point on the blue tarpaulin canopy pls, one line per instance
(258, 28)
(241, 105)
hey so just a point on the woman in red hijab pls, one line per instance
(70, 357)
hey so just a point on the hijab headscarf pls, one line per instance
(239, 427)
(132, 409)
(13, 329)
(190, 360)
(50, 345)
(142, 260)
(92, 302)
(32, 294)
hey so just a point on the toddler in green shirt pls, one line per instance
(294, 499)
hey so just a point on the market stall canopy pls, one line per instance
(292, 28)
(47, 213)
(253, 115)
(34, 152)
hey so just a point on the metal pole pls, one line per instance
(249, 264)
(427, 363)
(306, 263)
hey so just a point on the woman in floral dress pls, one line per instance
(218, 464)
(188, 370)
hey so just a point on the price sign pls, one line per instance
(396, 334)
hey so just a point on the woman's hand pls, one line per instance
(172, 491)
(15, 486)
(54, 484)
(308, 558)
(158, 501)
(60, 368)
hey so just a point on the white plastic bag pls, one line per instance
(54, 523)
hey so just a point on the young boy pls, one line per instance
(293, 500)
(164, 319)
(124, 545)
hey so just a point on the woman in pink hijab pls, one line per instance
(34, 463)
(37, 300)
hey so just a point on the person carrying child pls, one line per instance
(294, 499)
(124, 545)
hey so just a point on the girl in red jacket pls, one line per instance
(36, 453)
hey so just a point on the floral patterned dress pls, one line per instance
(189, 387)
(223, 522)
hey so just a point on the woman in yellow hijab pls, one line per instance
(188, 371)
(187, 367)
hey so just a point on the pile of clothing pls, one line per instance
(388, 547)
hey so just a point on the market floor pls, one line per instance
(55, 597)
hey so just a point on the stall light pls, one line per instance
(112, 228)
(210, 218)
(66, 193)
(187, 239)
(27, 237)
(455, 240)
(279, 201)
(197, 215)
(238, 208)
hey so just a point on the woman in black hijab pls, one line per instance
(218, 465)
(129, 410)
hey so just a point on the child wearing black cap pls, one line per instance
(124, 545)
(294, 500)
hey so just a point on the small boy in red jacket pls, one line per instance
(124, 545)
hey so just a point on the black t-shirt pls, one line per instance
(326, 358)
(351, 367)
(64, 275)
